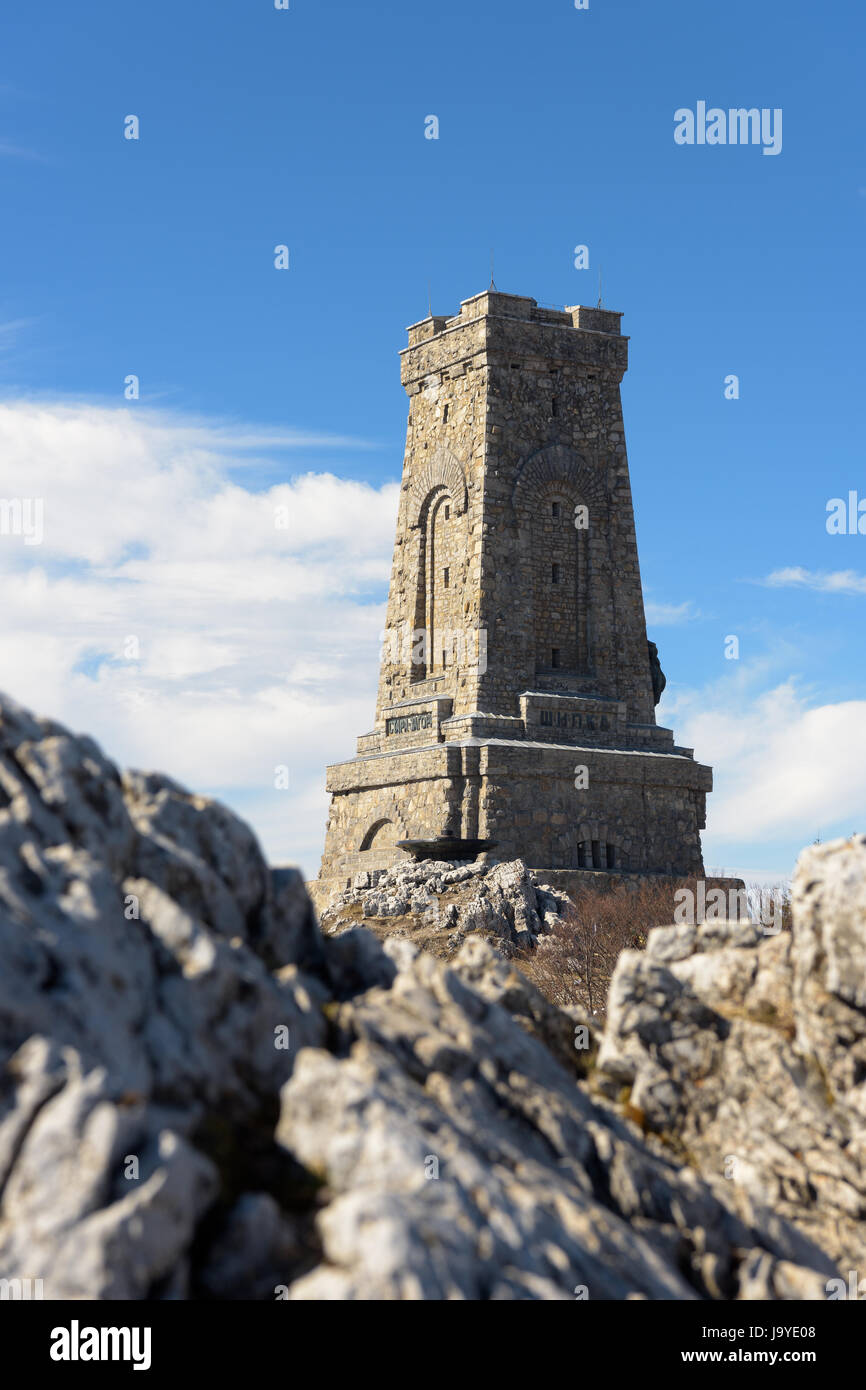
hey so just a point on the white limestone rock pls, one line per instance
(749, 1049)
(203, 1095)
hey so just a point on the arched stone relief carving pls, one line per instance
(557, 464)
(442, 470)
(437, 500)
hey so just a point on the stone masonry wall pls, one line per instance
(650, 808)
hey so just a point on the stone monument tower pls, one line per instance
(517, 689)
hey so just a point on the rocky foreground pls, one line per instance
(203, 1096)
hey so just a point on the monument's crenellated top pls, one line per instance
(493, 304)
(513, 331)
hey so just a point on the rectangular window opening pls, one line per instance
(554, 656)
(445, 416)
(446, 574)
(554, 574)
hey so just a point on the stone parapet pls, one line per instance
(479, 725)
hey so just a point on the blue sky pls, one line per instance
(306, 127)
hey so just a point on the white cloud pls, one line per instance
(784, 770)
(10, 329)
(822, 581)
(257, 645)
(669, 614)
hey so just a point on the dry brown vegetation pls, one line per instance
(573, 964)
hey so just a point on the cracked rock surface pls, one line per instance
(204, 1096)
(749, 1051)
(439, 905)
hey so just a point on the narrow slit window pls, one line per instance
(553, 405)
(446, 575)
(554, 509)
(447, 513)
(445, 416)
(554, 574)
(554, 656)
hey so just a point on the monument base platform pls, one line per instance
(607, 811)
